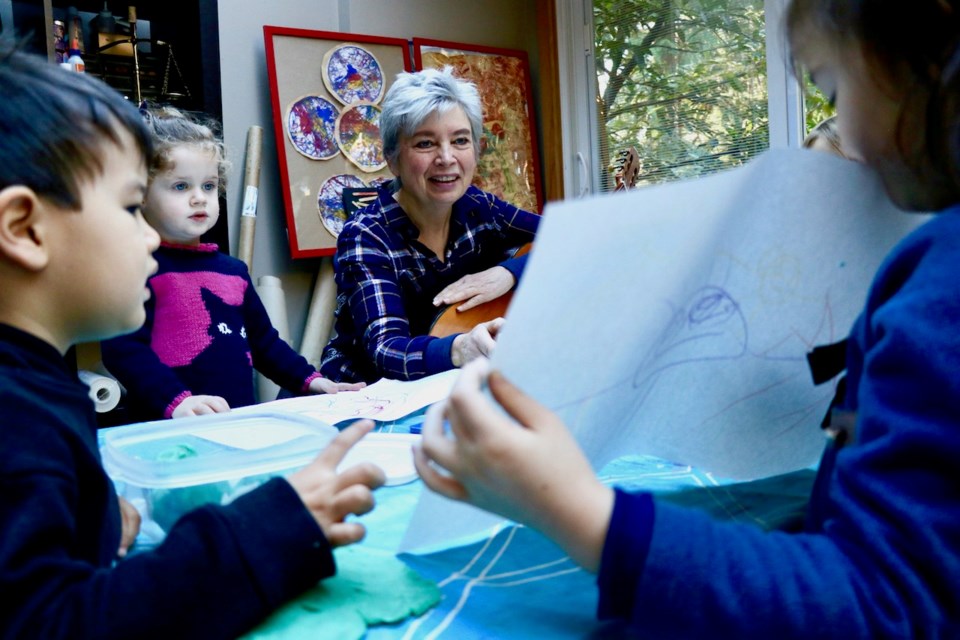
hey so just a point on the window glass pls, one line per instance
(683, 82)
(816, 106)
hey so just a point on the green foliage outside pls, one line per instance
(817, 106)
(685, 83)
(682, 81)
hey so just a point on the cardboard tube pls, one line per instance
(319, 324)
(251, 188)
(248, 229)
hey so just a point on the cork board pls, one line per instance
(326, 89)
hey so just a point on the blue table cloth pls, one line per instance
(511, 582)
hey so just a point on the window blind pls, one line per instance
(682, 82)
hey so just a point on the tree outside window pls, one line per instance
(682, 81)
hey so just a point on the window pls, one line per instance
(695, 86)
(682, 82)
(816, 106)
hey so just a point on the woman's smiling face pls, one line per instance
(436, 163)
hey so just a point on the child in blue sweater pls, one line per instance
(206, 328)
(75, 255)
(880, 554)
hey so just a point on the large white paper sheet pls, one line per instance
(675, 320)
(384, 400)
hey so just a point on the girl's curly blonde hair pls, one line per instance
(172, 128)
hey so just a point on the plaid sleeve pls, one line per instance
(369, 279)
(517, 225)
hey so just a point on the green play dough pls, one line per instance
(167, 505)
(371, 587)
(177, 452)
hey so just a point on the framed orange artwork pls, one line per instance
(509, 160)
(326, 88)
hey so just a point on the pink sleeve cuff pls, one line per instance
(306, 384)
(168, 412)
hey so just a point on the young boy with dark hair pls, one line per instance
(75, 254)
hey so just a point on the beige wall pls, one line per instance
(246, 95)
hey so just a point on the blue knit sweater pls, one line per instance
(206, 331)
(881, 557)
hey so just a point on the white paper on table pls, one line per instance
(383, 400)
(675, 320)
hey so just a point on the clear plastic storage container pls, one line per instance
(169, 467)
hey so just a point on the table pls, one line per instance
(511, 582)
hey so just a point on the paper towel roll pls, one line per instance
(104, 391)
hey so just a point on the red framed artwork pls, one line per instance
(509, 159)
(326, 88)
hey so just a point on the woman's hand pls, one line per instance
(525, 465)
(480, 341)
(326, 385)
(129, 525)
(331, 496)
(199, 406)
(476, 288)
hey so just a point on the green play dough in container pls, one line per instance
(371, 587)
(167, 505)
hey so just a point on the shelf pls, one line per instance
(189, 26)
(118, 71)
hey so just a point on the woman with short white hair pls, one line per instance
(430, 239)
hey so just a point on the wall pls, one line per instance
(246, 95)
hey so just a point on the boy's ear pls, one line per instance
(22, 228)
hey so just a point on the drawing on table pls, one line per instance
(357, 404)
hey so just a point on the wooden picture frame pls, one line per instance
(315, 78)
(509, 159)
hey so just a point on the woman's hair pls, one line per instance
(173, 128)
(914, 47)
(54, 126)
(413, 97)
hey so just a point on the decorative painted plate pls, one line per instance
(358, 135)
(330, 201)
(311, 126)
(378, 181)
(352, 74)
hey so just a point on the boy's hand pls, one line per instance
(524, 465)
(130, 525)
(200, 405)
(331, 497)
(326, 385)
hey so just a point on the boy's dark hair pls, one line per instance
(53, 125)
(915, 45)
